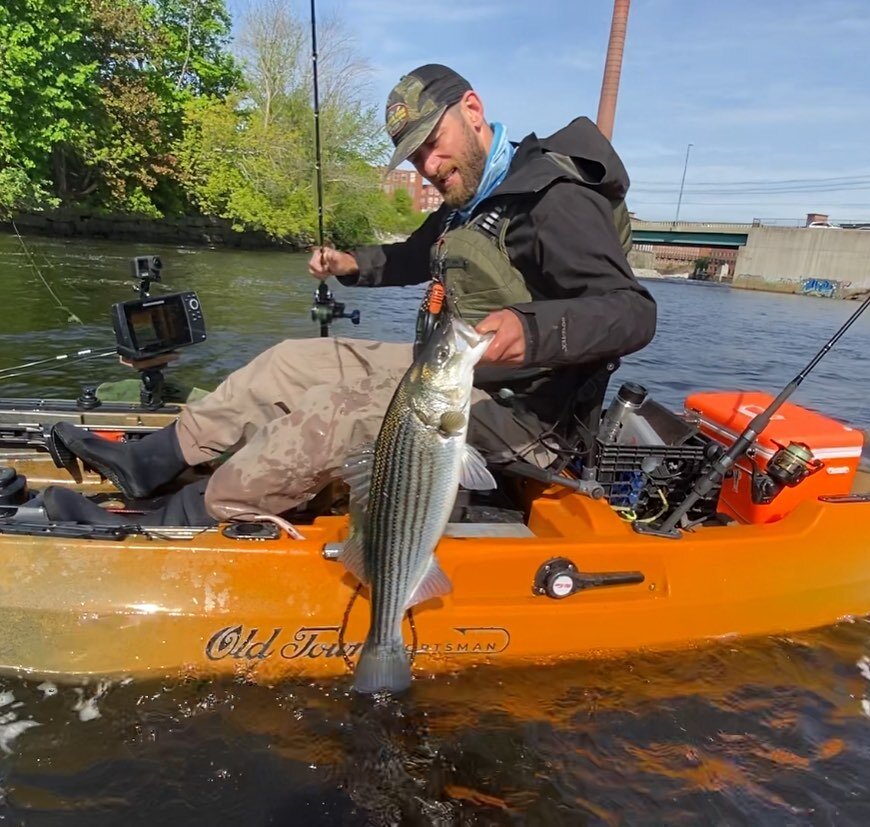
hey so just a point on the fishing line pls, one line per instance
(341, 629)
(351, 667)
(413, 624)
(72, 316)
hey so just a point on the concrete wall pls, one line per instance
(809, 260)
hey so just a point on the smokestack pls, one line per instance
(612, 68)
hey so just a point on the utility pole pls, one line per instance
(682, 184)
(613, 68)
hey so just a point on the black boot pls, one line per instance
(185, 507)
(138, 467)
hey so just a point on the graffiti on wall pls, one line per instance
(825, 288)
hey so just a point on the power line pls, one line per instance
(633, 202)
(761, 181)
(749, 190)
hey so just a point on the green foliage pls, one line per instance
(92, 92)
(236, 168)
(138, 106)
(701, 265)
(251, 156)
(157, 55)
(48, 74)
(18, 191)
(403, 203)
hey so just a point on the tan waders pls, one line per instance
(293, 414)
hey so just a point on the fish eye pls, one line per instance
(442, 354)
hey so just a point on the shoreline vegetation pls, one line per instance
(143, 114)
(194, 230)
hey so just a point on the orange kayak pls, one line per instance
(176, 601)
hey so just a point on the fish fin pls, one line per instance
(352, 557)
(434, 584)
(382, 668)
(356, 471)
(473, 473)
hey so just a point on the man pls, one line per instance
(526, 244)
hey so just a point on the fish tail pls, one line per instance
(382, 668)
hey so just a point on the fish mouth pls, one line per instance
(467, 338)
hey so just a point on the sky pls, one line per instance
(773, 95)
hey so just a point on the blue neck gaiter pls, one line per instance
(497, 162)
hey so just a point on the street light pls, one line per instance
(682, 183)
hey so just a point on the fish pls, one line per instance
(402, 491)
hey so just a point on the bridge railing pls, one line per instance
(690, 226)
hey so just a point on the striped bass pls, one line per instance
(403, 491)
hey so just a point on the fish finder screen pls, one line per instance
(159, 326)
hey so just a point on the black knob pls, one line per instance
(88, 400)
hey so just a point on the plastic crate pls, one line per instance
(630, 473)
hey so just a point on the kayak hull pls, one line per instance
(268, 610)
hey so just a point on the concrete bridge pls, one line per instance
(818, 261)
(690, 233)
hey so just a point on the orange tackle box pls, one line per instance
(724, 416)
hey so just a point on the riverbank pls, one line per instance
(196, 230)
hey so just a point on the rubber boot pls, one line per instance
(185, 507)
(137, 468)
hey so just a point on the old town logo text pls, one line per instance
(240, 643)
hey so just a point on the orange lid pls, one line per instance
(729, 412)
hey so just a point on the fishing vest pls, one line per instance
(472, 260)
(472, 263)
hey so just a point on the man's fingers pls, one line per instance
(321, 261)
(496, 348)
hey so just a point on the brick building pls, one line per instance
(424, 197)
(719, 262)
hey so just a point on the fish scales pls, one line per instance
(405, 510)
(403, 492)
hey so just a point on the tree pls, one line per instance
(156, 56)
(48, 70)
(252, 158)
(92, 96)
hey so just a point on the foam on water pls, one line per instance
(87, 707)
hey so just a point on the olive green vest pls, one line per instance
(474, 265)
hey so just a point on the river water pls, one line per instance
(770, 731)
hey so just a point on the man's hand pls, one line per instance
(326, 262)
(508, 347)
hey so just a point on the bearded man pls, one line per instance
(527, 244)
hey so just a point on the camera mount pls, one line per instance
(145, 269)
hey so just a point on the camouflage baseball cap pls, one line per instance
(417, 103)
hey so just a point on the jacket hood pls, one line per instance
(593, 155)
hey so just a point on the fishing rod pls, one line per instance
(705, 483)
(325, 308)
(44, 365)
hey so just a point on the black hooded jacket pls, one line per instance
(587, 308)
